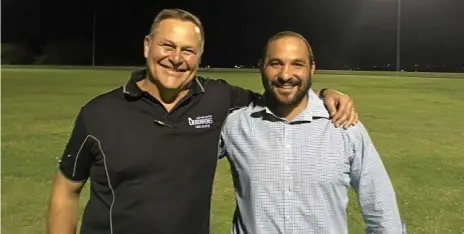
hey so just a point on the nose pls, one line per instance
(175, 58)
(285, 74)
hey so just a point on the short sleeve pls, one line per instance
(77, 158)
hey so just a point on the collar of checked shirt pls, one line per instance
(315, 109)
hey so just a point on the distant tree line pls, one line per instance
(63, 52)
(72, 52)
(78, 52)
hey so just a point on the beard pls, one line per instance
(297, 90)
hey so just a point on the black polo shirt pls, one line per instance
(150, 171)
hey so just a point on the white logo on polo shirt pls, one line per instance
(201, 121)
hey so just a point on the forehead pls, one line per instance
(178, 31)
(288, 47)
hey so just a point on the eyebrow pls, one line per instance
(273, 60)
(293, 61)
(299, 61)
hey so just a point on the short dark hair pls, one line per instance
(177, 14)
(288, 34)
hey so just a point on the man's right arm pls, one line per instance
(64, 202)
(73, 172)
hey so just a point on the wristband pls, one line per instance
(322, 93)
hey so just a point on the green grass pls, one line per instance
(416, 124)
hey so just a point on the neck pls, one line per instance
(168, 98)
(288, 112)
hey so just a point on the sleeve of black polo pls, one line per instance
(241, 97)
(76, 160)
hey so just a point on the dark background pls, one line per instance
(345, 34)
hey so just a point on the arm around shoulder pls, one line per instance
(240, 97)
(340, 107)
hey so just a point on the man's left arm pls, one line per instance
(374, 189)
(221, 147)
(339, 105)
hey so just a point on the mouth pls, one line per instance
(173, 70)
(286, 86)
(285, 90)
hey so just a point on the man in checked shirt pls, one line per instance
(291, 166)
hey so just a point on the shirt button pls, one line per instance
(288, 218)
(287, 145)
(287, 168)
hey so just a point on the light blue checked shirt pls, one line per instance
(293, 177)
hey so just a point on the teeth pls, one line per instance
(173, 70)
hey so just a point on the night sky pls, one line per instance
(342, 32)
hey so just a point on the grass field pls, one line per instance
(416, 124)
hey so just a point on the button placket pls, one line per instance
(288, 177)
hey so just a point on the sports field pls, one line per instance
(416, 124)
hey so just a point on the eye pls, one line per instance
(168, 47)
(188, 51)
(274, 64)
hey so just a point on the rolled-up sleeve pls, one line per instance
(77, 157)
(373, 186)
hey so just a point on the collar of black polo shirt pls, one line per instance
(132, 90)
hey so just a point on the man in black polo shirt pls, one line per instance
(149, 148)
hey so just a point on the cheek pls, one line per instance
(303, 74)
(271, 73)
(192, 60)
(156, 53)
(154, 57)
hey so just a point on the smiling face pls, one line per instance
(173, 53)
(286, 70)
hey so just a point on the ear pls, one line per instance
(261, 65)
(146, 46)
(313, 68)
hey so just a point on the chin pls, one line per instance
(284, 97)
(289, 99)
(172, 82)
(285, 101)
(171, 85)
